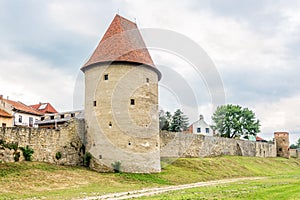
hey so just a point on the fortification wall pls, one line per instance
(295, 153)
(69, 140)
(46, 143)
(192, 145)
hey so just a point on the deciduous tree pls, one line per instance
(234, 121)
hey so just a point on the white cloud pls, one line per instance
(282, 115)
(88, 18)
(256, 57)
(31, 80)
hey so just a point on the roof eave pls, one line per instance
(86, 67)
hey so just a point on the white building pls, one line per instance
(23, 115)
(200, 127)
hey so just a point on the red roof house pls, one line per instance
(45, 108)
(259, 139)
(23, 115)
(21, 107)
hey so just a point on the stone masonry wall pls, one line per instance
(117, 130)
(69, 139)
(46, 143)
(282, 144)
(192, 145)
(295, 153)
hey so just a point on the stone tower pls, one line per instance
(121, 102)
(282, 144)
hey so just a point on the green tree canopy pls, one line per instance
(295, 146)
(234, 121)
(179, 122)
(174, 123)
(165, 119)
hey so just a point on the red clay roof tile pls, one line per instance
(44, 108)
(4, 114)
(122, 42)
(22, 107)
(259, 138)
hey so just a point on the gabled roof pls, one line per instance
(122, 42)
(5, 114)
(21, 107)
(44, 108)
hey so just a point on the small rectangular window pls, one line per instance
(42, 118)
(106, 77)
(147, 80)
(198, 130)
(72, 114)
(207, 130)
(52, 117)
(95, 103)
(30, 122)
(20, 118)
(62, 116)
(3, 125)
(132, 102)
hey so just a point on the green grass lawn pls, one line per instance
(41, 180)
(278, 187)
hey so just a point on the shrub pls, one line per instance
(17, 156)
(87, 159)
(117, 166)
(13, 145)
(27, 152)
(58, 155)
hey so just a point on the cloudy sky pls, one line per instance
(254, 45)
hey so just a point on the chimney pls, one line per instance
(201, 117)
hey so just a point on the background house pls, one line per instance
(22, 114)
(51, 121)
(6, 120)
(200, 127)
(45, 108)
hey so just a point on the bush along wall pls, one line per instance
(10, 152)
(62, 146)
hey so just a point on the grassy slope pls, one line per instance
(275, 187)
(28, 179)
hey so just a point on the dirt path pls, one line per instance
(155, 191)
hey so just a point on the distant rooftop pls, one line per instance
(44, 108)
(5, 114)
(21, 107)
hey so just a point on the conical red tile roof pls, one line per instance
(122, 42)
